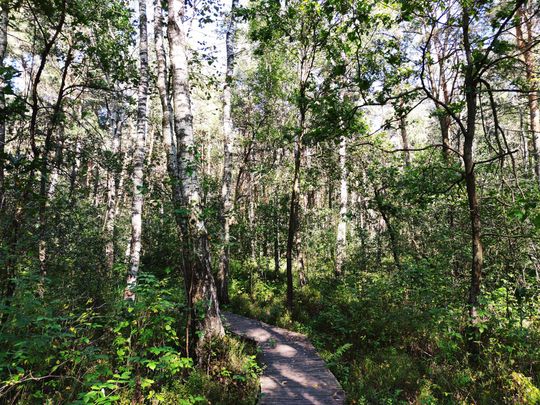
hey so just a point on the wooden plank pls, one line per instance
(294, 373)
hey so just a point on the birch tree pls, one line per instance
(167, 120)
(198, 278)
(116, 122)
(139, 156)
(228, 154)
(341, 240)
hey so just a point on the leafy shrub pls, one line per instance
(57, 353)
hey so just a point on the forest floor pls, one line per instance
(294, 373)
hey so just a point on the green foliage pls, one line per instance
(522, 390)
(77, 354)
(398, 337)
(394, 326)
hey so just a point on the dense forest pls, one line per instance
(365, 172)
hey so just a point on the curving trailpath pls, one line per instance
(294, 373)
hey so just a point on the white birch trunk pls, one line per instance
(228, 153)
(167, 123)
(116, 123)
(197, 268)
(75, 169)
(138, 156)
(341, 239)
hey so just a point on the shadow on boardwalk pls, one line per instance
(294, 373)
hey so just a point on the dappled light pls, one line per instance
(232, 202)
(293, 371)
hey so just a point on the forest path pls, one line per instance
(294, 373)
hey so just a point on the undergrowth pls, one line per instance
(393, 341)
(77, 351)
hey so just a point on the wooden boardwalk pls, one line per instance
(294, 373)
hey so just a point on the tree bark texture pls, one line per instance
(524, 40)
(197, 267)
(341, 239)
(4, 18)
(228, 154)
(471, 94)
(139, 156)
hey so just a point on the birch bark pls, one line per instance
(139, 156)
(116, 122)
(341, 240)
(202, 294)
(228, 153)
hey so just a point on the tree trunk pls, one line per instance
(532, 81)
(276, 251)
(76, 164)
(293, 218)
(44, 175)
(197, 267)
(43, 162)
(330, 192)
(276, 230)
(524, 142)
(139, 156)
(394, 242)
(8, 233)
(96, 178)
(167, 123)
(444, 124)
(252, 195)
(120, 191)
(228, 153)
(471, 93)
(4, 17)
(116, 122)
(301, 259)
(404, 139)
(341, 239)
(444, 118)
